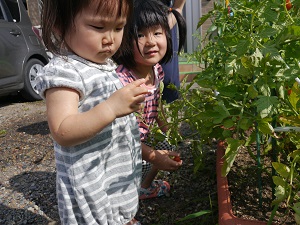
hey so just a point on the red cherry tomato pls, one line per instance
(288, 4)
(177, 159)
(289, 91)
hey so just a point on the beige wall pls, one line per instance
(33, 11)
(206, 7)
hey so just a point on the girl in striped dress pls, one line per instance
(89, 112)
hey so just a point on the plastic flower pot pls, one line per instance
(226, 216)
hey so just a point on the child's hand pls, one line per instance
(127, 99)
(164, 160)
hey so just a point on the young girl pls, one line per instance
(151, 45)
(96, 138)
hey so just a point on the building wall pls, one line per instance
(193, 10)
(34, 12)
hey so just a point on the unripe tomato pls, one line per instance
(288, 4)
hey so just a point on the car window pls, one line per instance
(25, 4)
(14, 9)
(5, 13)
(1, 13)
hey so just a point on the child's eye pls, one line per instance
(119, 28)
(158, 33)
(140, 35)
(96, 27)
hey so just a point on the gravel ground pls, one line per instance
(27, 178)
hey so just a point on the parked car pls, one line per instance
(22, 54)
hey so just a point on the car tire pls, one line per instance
(29, 92)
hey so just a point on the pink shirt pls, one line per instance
(149, 112)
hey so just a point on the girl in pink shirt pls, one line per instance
(151, 45)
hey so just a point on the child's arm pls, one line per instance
(69, 127)
(160, 158)
(178, 6)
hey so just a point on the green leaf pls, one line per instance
(228, 123)
(226, 134)
(250, 140)
(265, 127)
(228, 91)
(256, 57)
(269, 15)
(230, 65)
(242, 47)
(268, 32)
(294, 96)
(296, 208)
(230, 154)
(294, 154)
(245, 123)
(288, 34)
(3, 133)
(281, 169)
(279, 181)
(203, 19)
(222, 111)
(271, 51)
(252, 91)
(266, 105)
(290, 120)
(280, 194)
(158, 136)
(194, 215)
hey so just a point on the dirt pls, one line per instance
(251, 189)
(27, 178)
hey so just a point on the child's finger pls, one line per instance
(138, 89)
(138, 82)
(172, 153)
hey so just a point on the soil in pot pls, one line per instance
(243, 182)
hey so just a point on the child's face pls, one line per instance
(95, 37)
(152, 44)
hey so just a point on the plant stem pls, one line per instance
(273, 214)
(287, 12)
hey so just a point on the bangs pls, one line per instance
(118, 8)
(150, 15)
(147, 20)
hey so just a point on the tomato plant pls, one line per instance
(248, 58)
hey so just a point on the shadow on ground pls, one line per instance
(38, 188)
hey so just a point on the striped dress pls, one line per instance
(97, 181)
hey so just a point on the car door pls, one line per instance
(12, 49)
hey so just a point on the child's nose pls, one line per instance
(150, 40)
(108, 38)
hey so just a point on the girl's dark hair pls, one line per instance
(58, 17)
(167, 2)
(147, 14)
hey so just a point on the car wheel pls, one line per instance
(32, 68)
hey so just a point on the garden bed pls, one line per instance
(239, 203)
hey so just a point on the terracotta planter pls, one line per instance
(226, 216)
